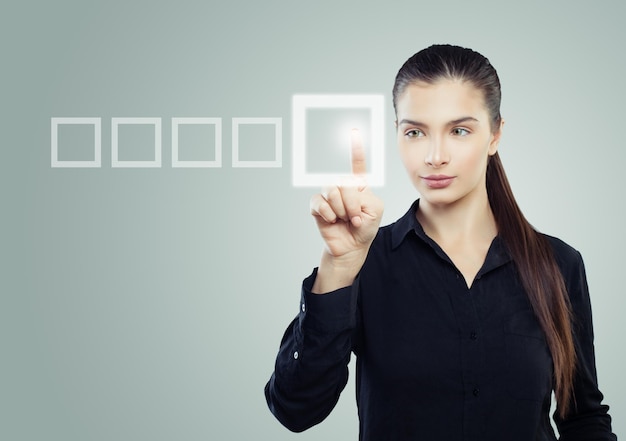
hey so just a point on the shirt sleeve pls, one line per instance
(312, 364)
(588, 418)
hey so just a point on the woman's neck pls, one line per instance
(468, 219)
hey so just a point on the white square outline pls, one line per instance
(278, 136)
(300, 103)
(55, 162)
(217, 122)
(116, 163)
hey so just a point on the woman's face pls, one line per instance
(445, 140)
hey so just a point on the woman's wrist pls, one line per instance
(337, 272)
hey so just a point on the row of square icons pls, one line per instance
(56, 123)
(301, 104)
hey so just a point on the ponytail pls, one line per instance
(540, 276)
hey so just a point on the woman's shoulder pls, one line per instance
(384, 238)
(565, 254)
(572, 268)
(391, 235)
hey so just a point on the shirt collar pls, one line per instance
(497, 255)
(405, 225)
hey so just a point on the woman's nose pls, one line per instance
(437, 155)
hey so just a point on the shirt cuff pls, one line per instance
(331, 312)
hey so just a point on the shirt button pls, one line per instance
(476, 392)
(473, 335)
(303, 307)
(295, 355)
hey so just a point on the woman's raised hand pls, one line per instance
(348, 216)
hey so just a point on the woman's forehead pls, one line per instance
(444, 99)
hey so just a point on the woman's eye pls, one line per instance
(415, 133)
(459, 131)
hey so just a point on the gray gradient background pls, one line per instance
(148, 304)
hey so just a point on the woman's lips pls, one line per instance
(438, 181)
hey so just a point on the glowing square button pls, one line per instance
(301, 103)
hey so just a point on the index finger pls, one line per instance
(357, 154)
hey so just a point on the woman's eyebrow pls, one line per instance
(463, 120)
(451, 123)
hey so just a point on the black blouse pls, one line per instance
(436, 360)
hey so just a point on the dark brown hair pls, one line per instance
(530, 250)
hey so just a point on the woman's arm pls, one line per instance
(589, 418)
(312, 364)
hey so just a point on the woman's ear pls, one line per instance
(493, 145)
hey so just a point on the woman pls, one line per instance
(463, 318)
